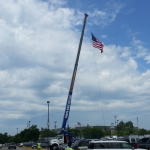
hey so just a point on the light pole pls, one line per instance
(137, 122)
(29, 124)
(55, 124)
(17, 130)
(118, 126)
(115, 119)
(48, 124)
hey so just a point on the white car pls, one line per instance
(109, 145)
(21, 144)
(1, 145)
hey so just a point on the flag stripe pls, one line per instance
(79, 123)
(96, 43)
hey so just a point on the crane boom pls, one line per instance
(68, 104)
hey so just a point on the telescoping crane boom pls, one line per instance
(63, 136)
(68, 104)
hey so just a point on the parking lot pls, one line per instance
(19, 148)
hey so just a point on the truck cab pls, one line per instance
(60, 139)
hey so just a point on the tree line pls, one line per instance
(34, 134)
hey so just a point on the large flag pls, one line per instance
(97, 43)
(79, 124)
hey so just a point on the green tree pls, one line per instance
(4, 138)
(18, 138)
(148, 132)
(120, 128)
(142, 132)
(129, 128)
(12, 139)
(44, 133)
(125, 128)
(96, 132)
(75, 132)
(31, 134)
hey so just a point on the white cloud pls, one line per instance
(132, 64)
(38, 46)
(140, 49)
(105, 17)
(147, 58)
(104, 36)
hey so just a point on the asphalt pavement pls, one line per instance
(19, 148)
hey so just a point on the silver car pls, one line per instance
(109, 145)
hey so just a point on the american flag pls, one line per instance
(79, 124)
(97, 43)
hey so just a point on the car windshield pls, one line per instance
(34, 143)
(85, 143)
(144, 140)
(126, 145)
(75, 143)
(12, 143)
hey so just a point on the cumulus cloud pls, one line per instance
(105, 17)
(148, 59)
(38, 46)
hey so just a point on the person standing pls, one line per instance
(38, 145)
(69, 146)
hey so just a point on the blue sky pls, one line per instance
(38, 46)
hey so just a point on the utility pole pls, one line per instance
(29, 124)
(115, 120)
(48, 124)
(137, 122)
(118, 126)
(55, 124)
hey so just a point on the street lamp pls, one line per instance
(17, 130)
(55, 124)
(118, 126)
(115, 119)
(48, 123)
(117, 122)
(29, 124)
(137, 122)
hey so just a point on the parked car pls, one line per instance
(34, 145)
(111, 145)
(103, 139)
(61, 147)
(28, 144)
(81, 144)
(44, 145)
(21, 144)
(143, 143)
(77, 145)
(1, 146)
(12, 145)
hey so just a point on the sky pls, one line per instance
(38, 47)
